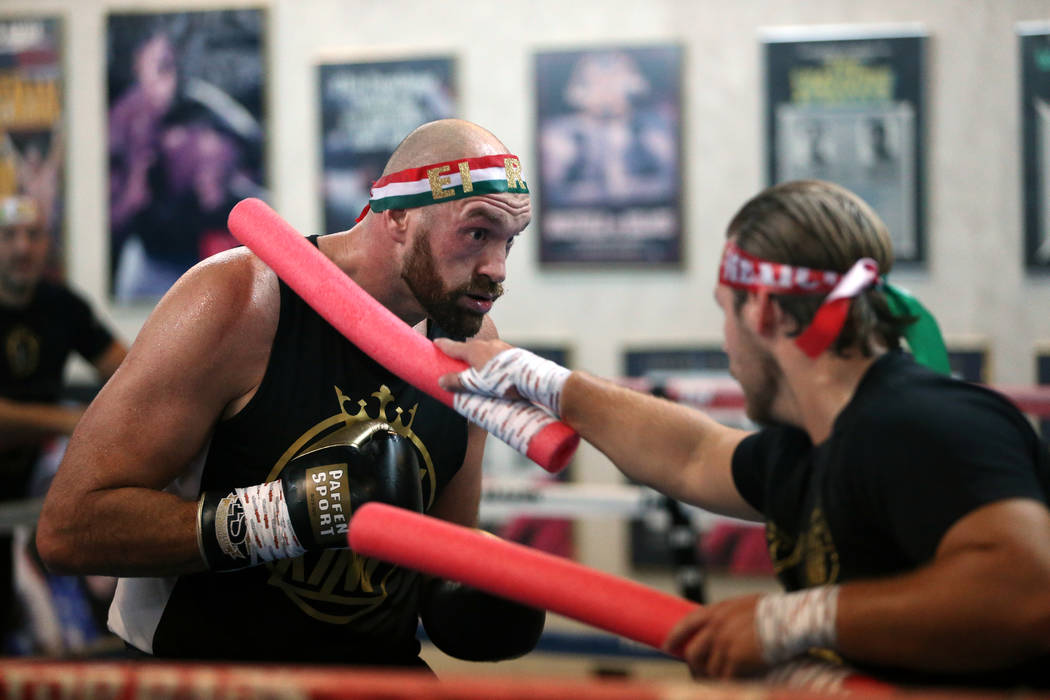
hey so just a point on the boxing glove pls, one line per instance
(310, 505)
(472, 625)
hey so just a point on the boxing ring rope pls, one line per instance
(72, 680)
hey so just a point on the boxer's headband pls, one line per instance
(17, 210)
(741, 270)
(444, 182)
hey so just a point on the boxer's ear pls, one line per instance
(396, 224)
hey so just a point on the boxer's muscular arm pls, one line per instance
(200, 354)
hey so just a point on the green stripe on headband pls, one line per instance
(923, 335)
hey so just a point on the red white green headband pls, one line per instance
(741, 270)
(444, 182)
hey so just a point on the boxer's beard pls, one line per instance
(440, 303)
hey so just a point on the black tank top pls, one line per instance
(328, 606)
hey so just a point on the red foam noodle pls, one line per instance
(517, 572)
(368, 324)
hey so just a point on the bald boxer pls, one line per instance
(216, 472)
(906, 512)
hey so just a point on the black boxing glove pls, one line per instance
(472, 625)
(309, 507)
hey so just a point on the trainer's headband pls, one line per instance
(444, 182)
(18, 210)
(741, 270)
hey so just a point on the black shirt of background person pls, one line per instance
(37, 341)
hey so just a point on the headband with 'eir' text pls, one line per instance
(444, 182)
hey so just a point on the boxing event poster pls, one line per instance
(718, 543)
(1035, 144)
(185, 95)
(32, 155)
(509, 479)
(609, 155)
(1042, 377)
(846, 104)
(366, 109)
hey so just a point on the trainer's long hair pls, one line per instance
(820, 225)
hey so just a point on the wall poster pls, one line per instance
(609, 142)
(32, 153)
(1035, 142)
(366, 109)
(186, 139)
(846, 104)
(1042, 378)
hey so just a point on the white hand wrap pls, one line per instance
(789, 624)
(535, 378)
(514, 422)
(270, 535)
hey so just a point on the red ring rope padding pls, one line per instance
(107, 680)
(365, 322)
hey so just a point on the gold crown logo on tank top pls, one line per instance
(339, 585)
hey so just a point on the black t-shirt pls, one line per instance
(37, 340)
(911, 454)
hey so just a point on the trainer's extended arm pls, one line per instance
(680, 451)
(516, 572)
(387, 339)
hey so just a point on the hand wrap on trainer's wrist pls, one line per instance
(309, 507)
(790, 624)
(536, 379)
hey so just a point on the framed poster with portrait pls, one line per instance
(366, 109)
(609, 152)
(1034, 39)
(1042, 377)
(847, 105)
(502, 463)
(185, 96)
(32, 152)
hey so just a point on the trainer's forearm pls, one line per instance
(654, 441)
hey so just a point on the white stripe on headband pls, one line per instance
(401, 189)
(440, 182)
